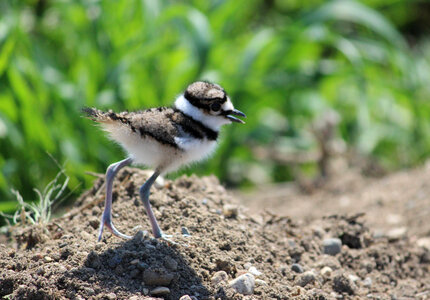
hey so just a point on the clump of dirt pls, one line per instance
(229, 255)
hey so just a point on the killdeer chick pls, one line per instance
(164, 139)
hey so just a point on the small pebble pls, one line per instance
(343, 284)
(367, 282)
(140, 236)
(297, 268)
(332, 246)
(306, 278)
(244, 284)
(396, 233)
(171, 264)
(326, 272)
(218, 277)
(159, 291)
(145, 291)
(260, 282)
(424, 242)
(185, 297)
(111, 296)
(254, 271)
(353, 278)
(47, 259)
(91, 291)
(230, 211)
(62, 269)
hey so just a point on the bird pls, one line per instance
(164, 139)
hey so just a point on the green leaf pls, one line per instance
(355, 12)
(5, 53)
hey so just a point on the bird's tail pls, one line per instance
(97, 115)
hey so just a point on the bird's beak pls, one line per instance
(236, 113)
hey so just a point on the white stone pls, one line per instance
(254, 271)
(424, 242)
(244, 284)
(326, 272)
(159, 291)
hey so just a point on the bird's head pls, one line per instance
(209, 104)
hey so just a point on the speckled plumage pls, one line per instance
(162, 124)
(165, 138)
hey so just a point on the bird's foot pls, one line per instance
(168, 239)
(108, 223)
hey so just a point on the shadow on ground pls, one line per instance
(143, 266)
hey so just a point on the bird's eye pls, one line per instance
(215, 106)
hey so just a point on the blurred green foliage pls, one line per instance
(284, 63)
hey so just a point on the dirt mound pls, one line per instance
(229, 255)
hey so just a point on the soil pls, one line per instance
(276, 238)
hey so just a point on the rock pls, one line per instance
(297, 268)
(332, 246)
(367, 282)
(111, 296)
(171, 264)
(140, 236)
(218, 277)
(230, 211)
(326, 272)
(260, 282)
(244, 284)
(396, 233)
(47, 259)
(187, 297)
(91, 291)
(424, 242)
(306, 278)
(353, 278)
(160, 291)
(343, 284)
(254, 271)
(157, 277)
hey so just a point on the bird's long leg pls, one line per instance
(106, 220)
(144, 195)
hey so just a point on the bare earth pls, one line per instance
(276, 240)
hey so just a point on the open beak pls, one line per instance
(235, 112)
